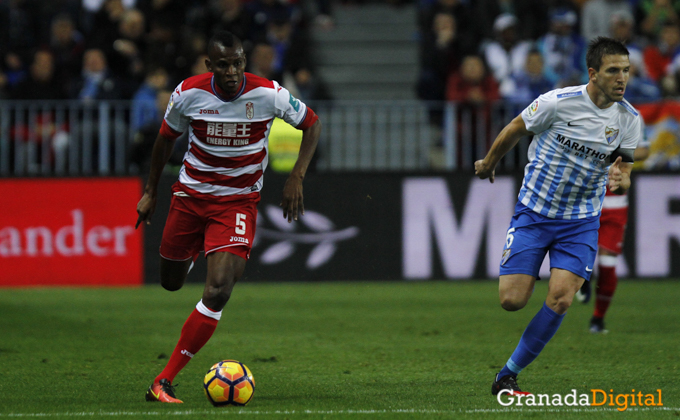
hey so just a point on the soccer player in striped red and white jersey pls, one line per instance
(228, 114)
(613, 221)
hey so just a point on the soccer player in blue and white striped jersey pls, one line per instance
(583, 139)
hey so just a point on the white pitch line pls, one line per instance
(231, 411)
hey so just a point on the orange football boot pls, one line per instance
(162, 391)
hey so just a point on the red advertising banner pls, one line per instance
(70, 232)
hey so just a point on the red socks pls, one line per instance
(606, 285)
(197, 330)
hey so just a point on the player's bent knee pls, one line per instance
(512, 304)
(171, 285)
(173, 273)
(172, 282)
(513, 300)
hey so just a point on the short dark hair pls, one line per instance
(224, 38)
(601, 46)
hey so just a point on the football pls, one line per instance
(229, 382)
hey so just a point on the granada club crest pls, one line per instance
(250, 110)
(610, 134)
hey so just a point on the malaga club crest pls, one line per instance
(610, 134)
(250, 111)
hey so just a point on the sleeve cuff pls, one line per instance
(168, 132)
(308, 121)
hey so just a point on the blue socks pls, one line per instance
(537, 334)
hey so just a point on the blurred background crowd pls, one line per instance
(517, 49)
(470, 50)
(473, 52)
(130, 49)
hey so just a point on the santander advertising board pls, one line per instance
(70, 232)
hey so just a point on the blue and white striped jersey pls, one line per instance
(569, 156)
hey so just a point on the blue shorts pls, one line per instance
(571, 244)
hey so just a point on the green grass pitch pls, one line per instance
(330, 350)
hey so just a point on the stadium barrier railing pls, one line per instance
(75, 138)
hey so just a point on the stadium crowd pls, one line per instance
(131, 49)
(471, 51)
(482, 50)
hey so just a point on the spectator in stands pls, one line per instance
(15, 71)
(596, 15)
(41, 82)
(164, 19)
(22, 28)
(103, 29)
(144, 109)
(564, 50)
(622, 27)
(440, 54)
(126, 53)
(291, 50)
(46, 11)
(659, 56)
(4, 26)
(324, 18)
(198, 67)
(263, 11)
(641, 88)
(472, 84)
(192, 46)
(532, 16)
(652, 15)
(67, 46)
(95, 81)
(456, 8)
(4, 93)
(163, 45)
(528, 83)
(162, 12)
(506, 54)
(230, 15)
(145, 136)
(261, 61)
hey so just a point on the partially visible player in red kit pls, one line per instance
(228, 114)
(613, 221)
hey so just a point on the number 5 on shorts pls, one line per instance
(240, 224)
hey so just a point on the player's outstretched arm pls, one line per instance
(162, 150)
(619, 176)
(506, 140)
(292, 202)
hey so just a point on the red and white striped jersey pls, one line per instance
(614, 201)
(228, 136)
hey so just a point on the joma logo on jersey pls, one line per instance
(239, 239)
(209, 111)
(580, 149)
